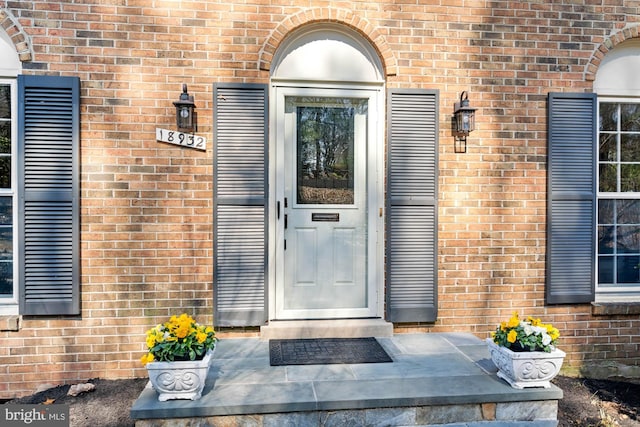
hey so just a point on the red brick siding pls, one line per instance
(147, 207)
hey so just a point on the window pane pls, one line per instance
(605, 269)
(608, 178)
(325, 155)
(5, 171)
(630, 148)
(605, 240)
(630, 178)
(608, 148)
(6, 246)
(630, 117)
(628, 239)
(628, 269)
(5, 101)
(5, 137)
(605, 211)
(608, 116)
(628, 211)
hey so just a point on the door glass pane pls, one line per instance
(325, 151)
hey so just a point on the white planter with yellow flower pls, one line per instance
(524, 352)
(179, 357)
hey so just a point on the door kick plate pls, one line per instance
(327, 217)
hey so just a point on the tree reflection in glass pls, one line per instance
(325, 155)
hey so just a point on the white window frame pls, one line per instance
(608, 293)
(9, 305)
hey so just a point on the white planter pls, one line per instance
(528, 368)
(179, 380)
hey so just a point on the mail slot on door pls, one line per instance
(326, 217)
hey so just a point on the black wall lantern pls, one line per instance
(463, 122)
(185, 111)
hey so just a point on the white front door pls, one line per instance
(323, 212)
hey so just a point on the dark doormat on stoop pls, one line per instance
(326, 351)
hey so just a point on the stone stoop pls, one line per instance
(438, 380)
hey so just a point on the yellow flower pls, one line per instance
(201, 337)
(553, 333)
(514, 321)
(534, 322)
(173, 320)
(147, 358)
(178, 335)
(151, 340)
(512, 336)
(182, 331)
(181, 326)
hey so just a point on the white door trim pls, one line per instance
(374, 183)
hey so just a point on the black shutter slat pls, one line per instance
(412, 206)
(572, 193)
(240, 204)
(48, 150)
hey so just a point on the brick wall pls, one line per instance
(147, 207)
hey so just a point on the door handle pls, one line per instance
(278, 209)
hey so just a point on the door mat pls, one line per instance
(326, 351)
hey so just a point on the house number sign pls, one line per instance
(182, 139)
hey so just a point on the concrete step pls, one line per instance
(334, 328)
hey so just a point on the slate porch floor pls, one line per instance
(427, 369)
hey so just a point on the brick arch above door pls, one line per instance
(328, 15)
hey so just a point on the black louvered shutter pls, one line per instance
(240, 204)
(48, 192)
(572, 198)
(412, 208)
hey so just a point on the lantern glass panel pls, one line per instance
(184, 117)
(465, 121)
